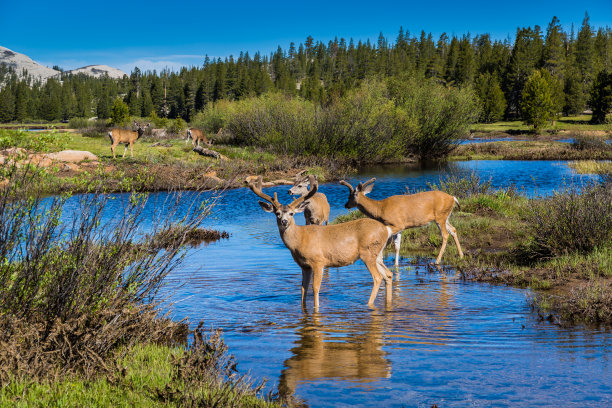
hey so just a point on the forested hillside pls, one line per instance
(569, 63)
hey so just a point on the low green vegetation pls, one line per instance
(592, 167)
(561, 246)
(78, 304)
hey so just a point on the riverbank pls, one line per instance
(505, 236)
(162, 164)
(80, 301)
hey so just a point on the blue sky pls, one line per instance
(156, 34)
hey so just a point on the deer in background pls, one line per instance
(316, 209)
(196, 135)
(314, 247)
(126, 137)
(407, 211)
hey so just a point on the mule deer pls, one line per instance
(407, 211)
(316, 209)
(126, 137)
(314, 247)
(196, 135)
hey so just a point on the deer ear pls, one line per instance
(267, 207)
(300, 208)
(367, 189)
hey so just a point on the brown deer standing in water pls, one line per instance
(196, 135)
(407, 211)
(316, 209)
(126, 137)
(314, 247)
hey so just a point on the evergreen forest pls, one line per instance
(568, 66)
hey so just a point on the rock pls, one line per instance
(72, 156)
(158, 133)
(13, 151)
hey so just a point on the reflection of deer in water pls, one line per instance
(316, 355)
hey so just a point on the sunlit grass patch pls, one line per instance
(591, 167)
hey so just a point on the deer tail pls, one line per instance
(457, 201)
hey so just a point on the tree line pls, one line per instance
(568, 63)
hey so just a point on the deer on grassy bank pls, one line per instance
(316, 208)
(126, 137)
(314, 247)
(196, 135)
(407, 211)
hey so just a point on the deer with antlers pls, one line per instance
(314, 247)
(126, 137)
(407, 211)
(316, 208)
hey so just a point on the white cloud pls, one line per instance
(170, 62)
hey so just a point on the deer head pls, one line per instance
(364, 188)
(300, 186)
(284, 213)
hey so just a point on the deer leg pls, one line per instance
(316, 284)
(132, 150)
(125, 150)
(444, 233)
(377, 277)
(453, 232)
(386, 274)
(113, 150)
(306, 274)
(398, 243)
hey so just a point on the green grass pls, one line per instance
(146, 369)
(575, 123)
(591, 167)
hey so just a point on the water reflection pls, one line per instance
(349, 350)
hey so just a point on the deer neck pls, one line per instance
(140, 133)
(369, 207)
(291, 235)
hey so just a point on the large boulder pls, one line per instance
(72, 156)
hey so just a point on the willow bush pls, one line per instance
(375, 122)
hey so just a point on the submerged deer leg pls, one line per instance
(306, 275)
(377, 277)
(316, 283)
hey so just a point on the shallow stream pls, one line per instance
(443, 341)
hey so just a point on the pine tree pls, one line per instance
(491, 97)
(537, 107)
(120, 113)
(21, 102)
(601, 97)
(572, 88)
(554, 49)
(7, 105)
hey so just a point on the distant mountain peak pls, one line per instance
(20, 62)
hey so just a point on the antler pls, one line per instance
(344, 183)
(256, 188)
(361, 186)
(314, 185)
(298, 176)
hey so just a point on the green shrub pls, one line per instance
(431, 116)
(573, 220)
(78, 123)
